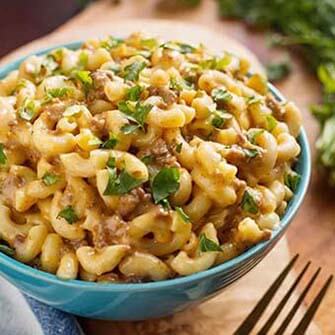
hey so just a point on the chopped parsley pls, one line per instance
(250, 153)
(111, 162)
(178, 148)
(207, 244)
(271, 122)
(136, 113)
(221, 95)
(148, 159)
(132, 72)
(110, 143)
(177, 46)
(68, 214)
(28, 110)
(183, 215)
(3, 157)
(292, 180)
(59, 92)
(219, 118)
(249, 204)
(254, 100)
(120, 184)
(253, 134)
(179, 84)
(85, 78)
(165, 182)
(50, 178)
(111, 43)
(134, 93)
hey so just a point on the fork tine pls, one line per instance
(269, 323)
(295, 307)
(249, 323)
(306, 320)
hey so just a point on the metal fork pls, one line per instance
(249, 323)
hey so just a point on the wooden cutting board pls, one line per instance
(313, 232)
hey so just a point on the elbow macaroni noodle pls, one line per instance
(137, 160)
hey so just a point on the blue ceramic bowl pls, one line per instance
(147, 300)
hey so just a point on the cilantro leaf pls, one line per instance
(292, 180)
(3, 157)
(136, 114)
(134, 93)
(165, 183)
(221, 95)
(208, 245)
(110, 143)
(131, 72)
(50, 178)
(178, 148)
(148, 159)
(120, 184)
(85, 78)
(28, 110)
(183, 215)
(253, 134)
(250, 153)
(271, 123)
(68, 214)
(249, 204)
(219, 118)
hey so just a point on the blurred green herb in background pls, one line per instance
(310, 25)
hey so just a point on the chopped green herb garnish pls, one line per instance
(182, 214)
(271, 123)
(249, 204)
(221, 95)
(219, 118)
(111, 42)
(134, 93)
(68, 214)
(179, 146)
(111, 162)
(148, 159)
(129, 128)
(149, 43)
(50, 178)
(28, 110)
(110, 143)
(250, 153)
(179, 84)
(253, 134)
(3, 157)
(216, 63)
(7, 250)
(208, 245)
(292, 180)
(95, 141)
(120, 184)
(59, 92)
(254, 100)
(83, 59)
(181, 47)
(131, 72)
(136, 113)
(85, 78)
(165, 182)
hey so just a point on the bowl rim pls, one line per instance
(247, 255)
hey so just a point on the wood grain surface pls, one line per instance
(312, 234)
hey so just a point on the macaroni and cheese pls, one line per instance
(133, 160)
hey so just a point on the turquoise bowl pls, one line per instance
(155, 299)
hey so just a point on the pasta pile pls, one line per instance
(132, 160)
